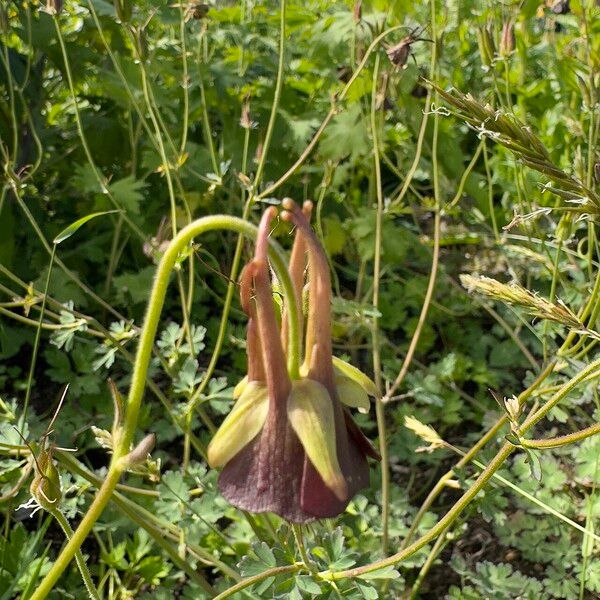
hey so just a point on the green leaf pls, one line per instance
(384, 573)
(345, 136)
(534, 463)
(128, 192)
(67, 232)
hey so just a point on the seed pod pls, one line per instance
(45, 487)
(141, 43)
(487, 47)
(245, 120)
(507, 40)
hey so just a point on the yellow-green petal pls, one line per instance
(241, 425)
(310, 412)
(356, 375)
(351, 393)
(240, 387)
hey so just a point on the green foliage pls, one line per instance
(153, 135)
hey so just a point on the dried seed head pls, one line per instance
(399, 53)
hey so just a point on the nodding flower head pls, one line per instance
(290, 445)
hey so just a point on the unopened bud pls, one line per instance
(245, 120)
(487, 48)
(358, 11)
(45, 487)
(597, 172)
(141, 43)
(507, 40)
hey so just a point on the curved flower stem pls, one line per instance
(140, 370)
(85, 574)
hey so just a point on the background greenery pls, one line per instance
(163, 115)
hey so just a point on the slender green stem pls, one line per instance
(11, 96)
(86, 149)
(375, 333)
(449, 518)
(207, 130)
(81, 564)
(142, 361)
(332, 112)
(146, 519)
(433, 554)
(242, 585)
(563, 440)
(276, 97)
(36, 343)
(470, 455)
(299, 537)
(185, 80)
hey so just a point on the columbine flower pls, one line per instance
(290, 446)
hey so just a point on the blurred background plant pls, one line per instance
(154, 114)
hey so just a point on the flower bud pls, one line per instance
(141, 452)
(487, 48)
(45, 487)
(507, 40)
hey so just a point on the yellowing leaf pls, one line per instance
(311, 416)
(241, 425)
